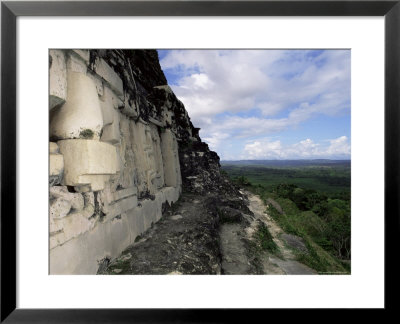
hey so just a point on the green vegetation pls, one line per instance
(326, 178)
(264, 239)
(86, 134)
(315, 205)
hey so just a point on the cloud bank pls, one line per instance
(305, 149)
(248, 95)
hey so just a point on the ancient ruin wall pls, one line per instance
(119, 138)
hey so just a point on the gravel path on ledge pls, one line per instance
(286, 264)
(184, 241)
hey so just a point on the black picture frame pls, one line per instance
(11, 10)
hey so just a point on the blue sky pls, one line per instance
(266, 104)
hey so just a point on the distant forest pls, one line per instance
(307, 198)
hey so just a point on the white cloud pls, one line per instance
(339, 146)
(212, 82)
(305, 149)
(246, 93)
(264, 150)
(215, 139)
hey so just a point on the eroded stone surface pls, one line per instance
(59, 208)
(56, 165)
(171, 159)
(125, 139)
(111, 133)
(88, 162)
(75, 199)
(58, 78)
(53, 148)
(108, 74)
(81, 115)
(75, 62)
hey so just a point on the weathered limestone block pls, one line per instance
(75, 63)
(149, 209)
(152, 184)
(135, 223)
(166, 88)
(107, 111)
(56, 164)
(111, 133)
(75, 199)
(83, 54)
(98, 83)
(157, 122)
(54, 241)
(169, 149)
(171, 194)
(73, 225)
(89, 201)
(81, 115)
(81, 254)
(63, 229)
(108, 103)
(141, 144)
(55, 227)
(126, 154)
(120, 207)
(58, 79)
(130, 108)
(167, 116)
(59, 208)
(120, 164)
(96, 181)
(53, 148)
(123, 193)
(106, 239)
(115, 203)
(108, 74)
(88, 162)
(105, 196)
(159, 177)
(77, 223)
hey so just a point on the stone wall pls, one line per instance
(116, 132)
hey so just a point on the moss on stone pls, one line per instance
(86, 134)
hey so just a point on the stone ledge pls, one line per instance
(123, 193)
(109, 75)
(83, 54)
(88, 162)
(119, 207)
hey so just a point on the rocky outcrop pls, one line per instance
(122, 147)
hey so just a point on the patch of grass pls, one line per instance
(320, 260)
(310, 227)
(264, 239)
(254, 256)
(283, 220)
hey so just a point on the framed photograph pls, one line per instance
(140, 94)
